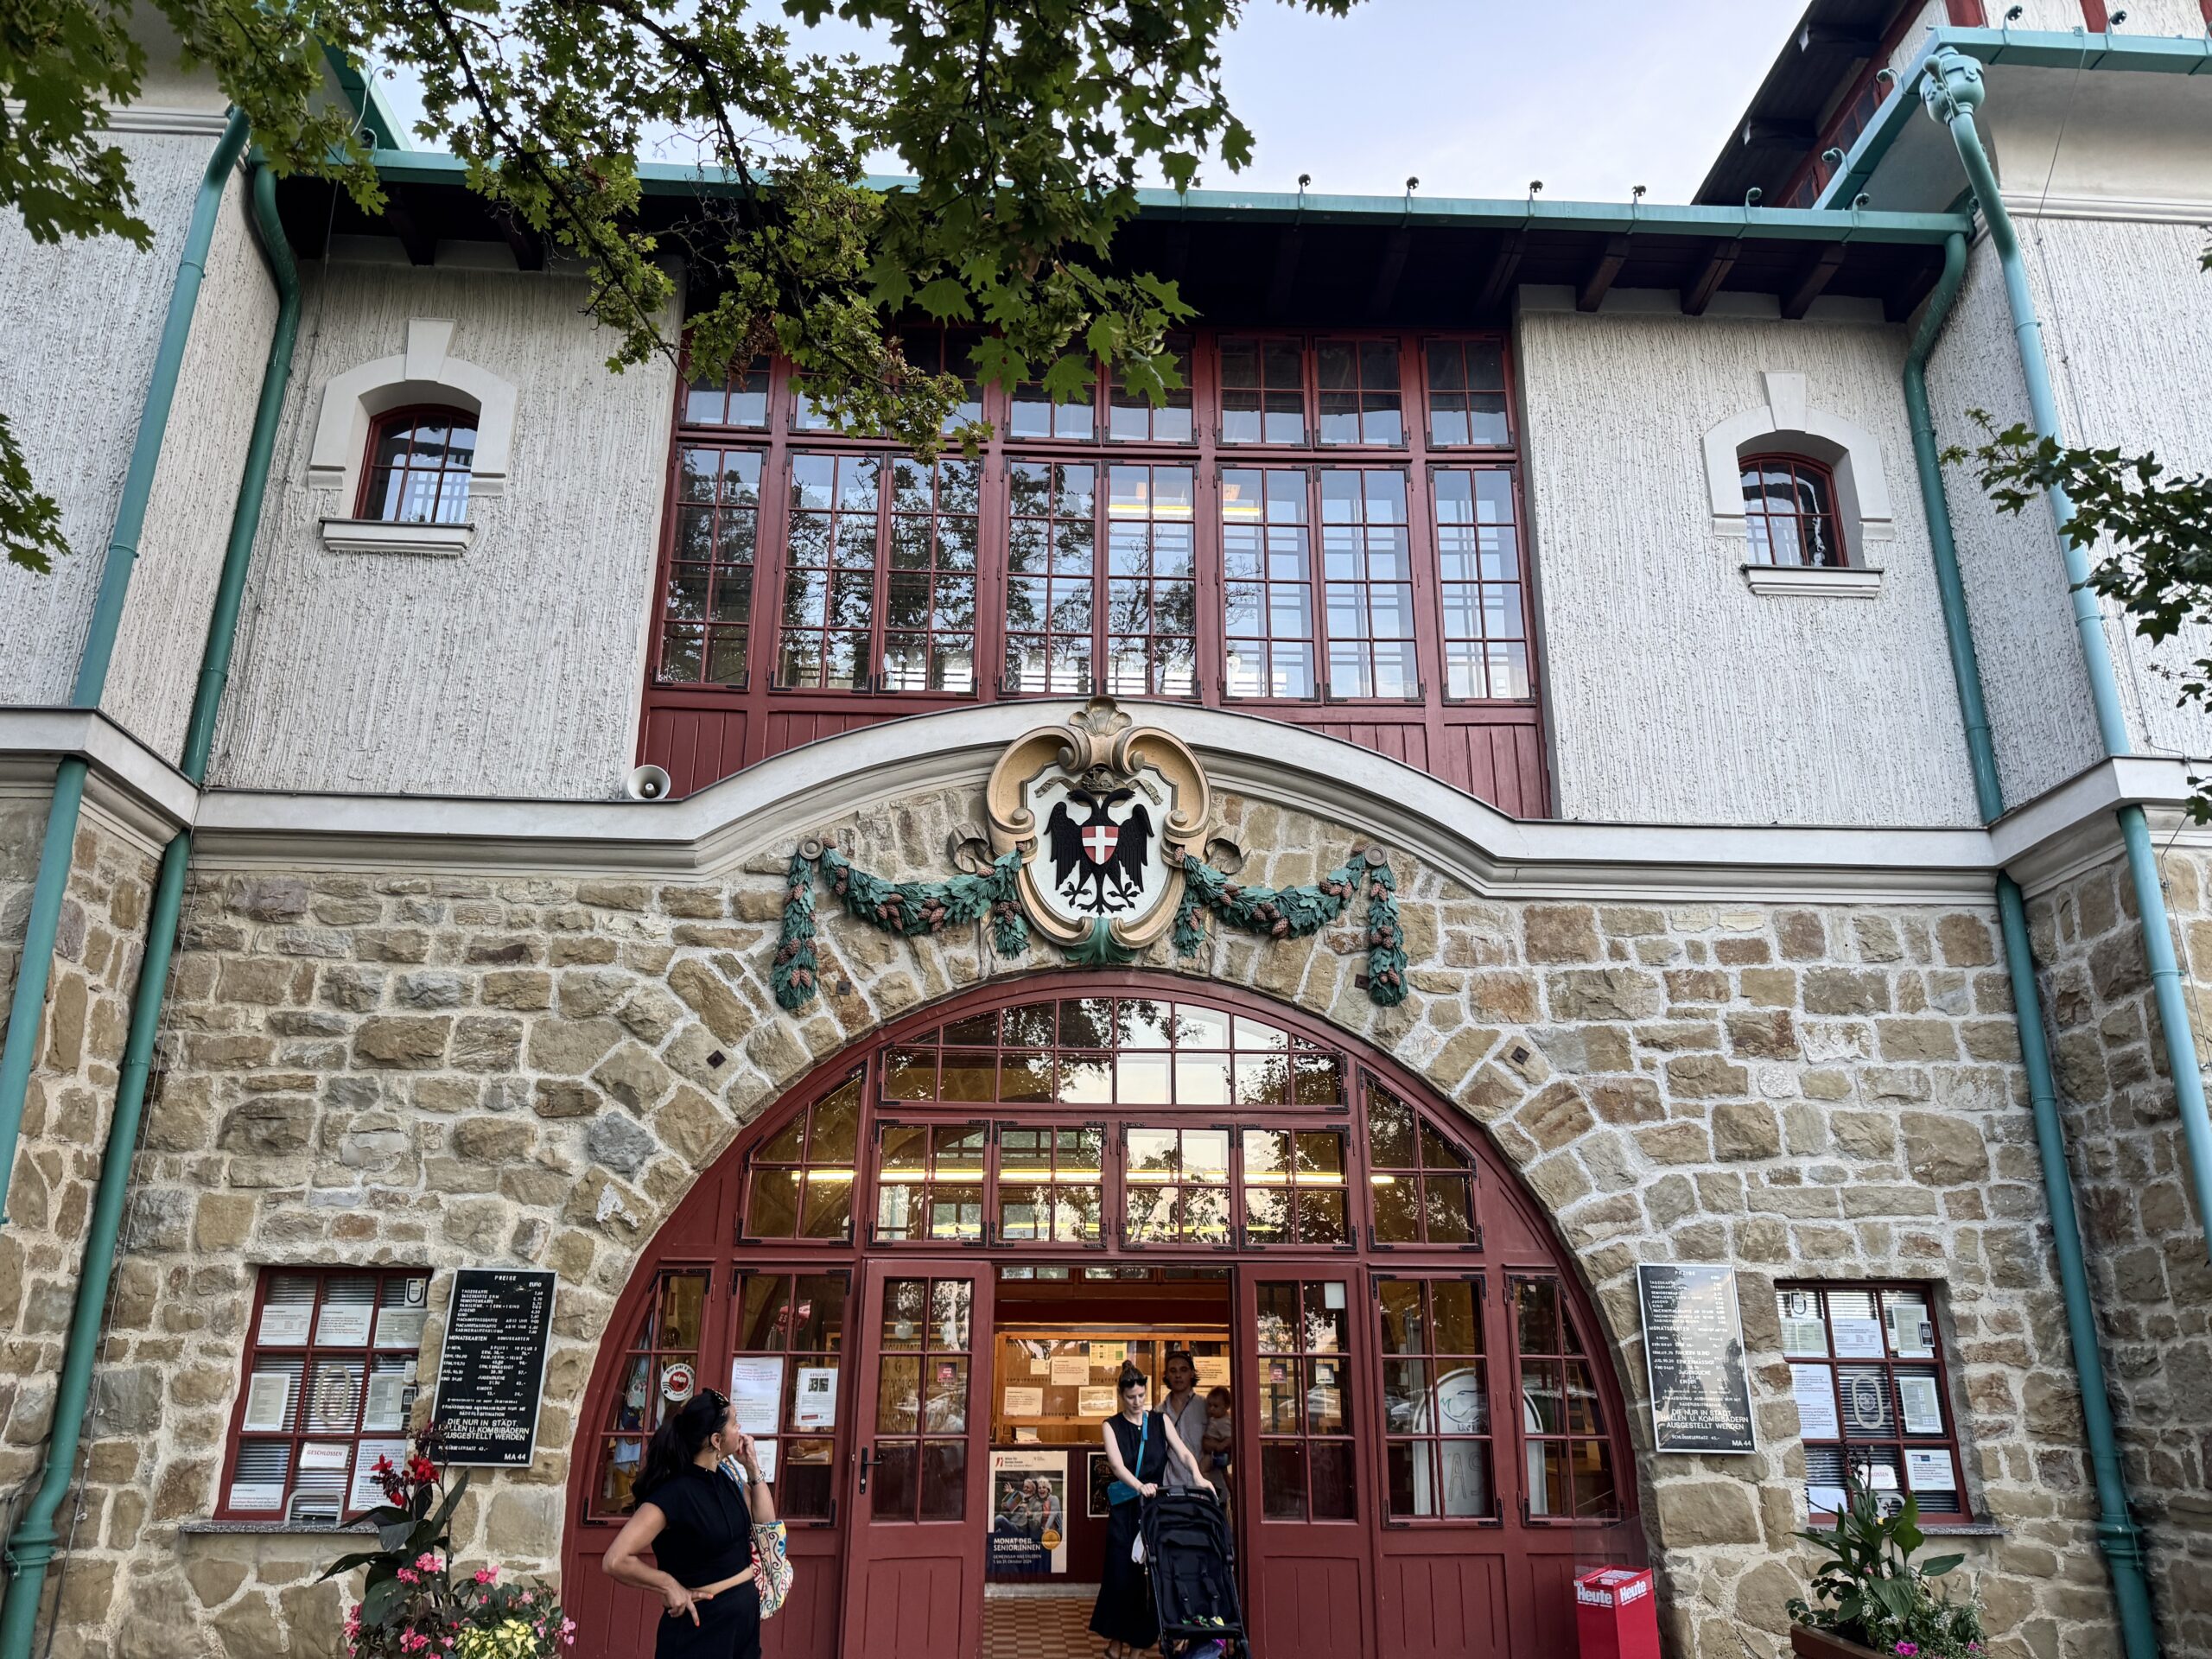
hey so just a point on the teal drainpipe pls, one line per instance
(33, 1543)
(2116, 1532)
(1952, 91)
(28, 1005)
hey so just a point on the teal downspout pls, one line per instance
(2117, 1535)
(1952, 91)
(27, 1007)
(32, 1546)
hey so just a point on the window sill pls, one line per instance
(293, 1529)
(381, 535)
(1803, 581)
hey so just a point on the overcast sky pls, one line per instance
(1477, 97)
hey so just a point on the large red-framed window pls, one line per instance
(418, 466)
(1789, 515)
(799, 1184)
(332, 1371)
(706, 634)
(1267, 568)
(789, 1346)
(1356, 384)
(1868, 1372)
(1355, 1367)
(1302, 1378)
(1052, 564)
(819, 581)
(1152, 580)
(1565, 1436)
(1438, 1458)
(1485, 609)
(659, 1369)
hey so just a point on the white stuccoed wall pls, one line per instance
(515, 668)
(2127, 331)
(81, 320)
(1678, 694)
(164, 632)
(2041, 719)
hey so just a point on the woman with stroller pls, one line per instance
(1139, 1445)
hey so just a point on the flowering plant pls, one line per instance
(1870, 1591)
(410, 1606)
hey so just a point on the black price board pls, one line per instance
(493, 1366)
(1694, 1353)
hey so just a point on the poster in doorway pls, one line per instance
(1029, 1512)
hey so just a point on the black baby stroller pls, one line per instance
(1193, 1569)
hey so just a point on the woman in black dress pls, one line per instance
(698, 1523)
(1139, 1444)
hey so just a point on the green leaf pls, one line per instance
(946, 300)
(1941, 1565)
(381, 1600)
(347, 1563)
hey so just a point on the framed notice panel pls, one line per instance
(493, 1366)
(1694, 1353)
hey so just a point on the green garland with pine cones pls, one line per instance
(913, 909)
(1295, 912)
(906, 908)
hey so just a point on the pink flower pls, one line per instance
(529, 1596)
(426, 1563)
(408, 1575)
(487, 1575)
(1906, 1650)
(568, 1628)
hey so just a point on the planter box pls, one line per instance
(1809, 1643)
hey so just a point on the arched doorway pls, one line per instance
(907, 1266)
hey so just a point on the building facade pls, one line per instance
(1570, 789)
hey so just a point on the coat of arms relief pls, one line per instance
(1096, 838)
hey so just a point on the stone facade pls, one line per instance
(94, 972)
(402, 1067)
(2145, 1239)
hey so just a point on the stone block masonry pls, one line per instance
(2144, 1240)
(402, 1067)
(57, 1159)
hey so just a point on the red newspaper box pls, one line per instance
(1616, 1615)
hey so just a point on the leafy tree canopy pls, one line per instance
(1023, 125)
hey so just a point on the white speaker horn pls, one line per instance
(646, 784)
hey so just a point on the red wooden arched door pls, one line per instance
(1429, 1433)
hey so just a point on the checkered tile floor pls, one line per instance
(1037, 1627)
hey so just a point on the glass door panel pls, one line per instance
(915, 1585)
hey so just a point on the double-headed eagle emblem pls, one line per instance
(1103, 813)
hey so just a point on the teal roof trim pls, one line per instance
(2022, 48)
(1776, 223)
(368, 103)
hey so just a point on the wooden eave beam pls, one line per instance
(527, 246)
(1387, 270)
(1762, 130)
(1503, 264)
(1718, 264)
(1824, 265)
(1286, 273)
(1611, 258)
(422, 249)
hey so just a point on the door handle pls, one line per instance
(865, 1452)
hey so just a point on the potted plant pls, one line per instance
(411, 1606)
(1869, 1596)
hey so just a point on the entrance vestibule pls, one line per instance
(920, 1272)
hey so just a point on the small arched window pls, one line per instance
(1790, 513)
(418, 467)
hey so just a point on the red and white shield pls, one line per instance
(1098, 843)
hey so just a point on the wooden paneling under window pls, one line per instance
(1321, 528)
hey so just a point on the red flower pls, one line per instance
(421, 1468)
